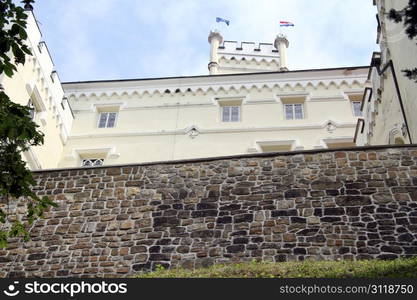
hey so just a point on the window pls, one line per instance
(93, 162)
(294, 111)
(32, 109)
(230, 113)
(357, 112)
(107, 120)
(36, 105)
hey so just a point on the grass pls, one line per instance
(398, 268)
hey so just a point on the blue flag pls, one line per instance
(222, 20)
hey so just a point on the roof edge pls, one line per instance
(214, 76)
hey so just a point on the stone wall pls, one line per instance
(115, 221)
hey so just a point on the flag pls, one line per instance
(285, 24)
(222, 20)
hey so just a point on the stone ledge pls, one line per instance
(231, 157)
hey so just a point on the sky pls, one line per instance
(119, 39)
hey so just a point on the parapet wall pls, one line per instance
(248, 48)
(115, 221)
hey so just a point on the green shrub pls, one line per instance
(399, 268)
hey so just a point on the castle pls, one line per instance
(119, 214)
(250, 103)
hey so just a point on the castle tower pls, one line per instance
(230, 57)
(215, 39)
(281, 43)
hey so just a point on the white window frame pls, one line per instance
(106, 125)
(353, 108)
(95, 162)
(293, 111)
(229, 119)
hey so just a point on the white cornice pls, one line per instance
(145, 107)
(169, 87)
(109, 152)
(215, 130)
(294, 144)
(328, 98)
(261, 101)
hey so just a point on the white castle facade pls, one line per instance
(249, 103)
(390, 103)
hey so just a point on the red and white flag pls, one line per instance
(285, 24)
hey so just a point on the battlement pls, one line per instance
(248, 48)
(228, 57)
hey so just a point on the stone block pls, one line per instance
(350, 200)
(295, 193)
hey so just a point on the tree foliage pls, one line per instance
(17, 130)
(408, 15)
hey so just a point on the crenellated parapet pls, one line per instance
(231, 57)
(256, 50)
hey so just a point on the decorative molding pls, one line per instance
(134, 108)
(261, 101)
(96, 107)
(109, 152)
(238, 99)
(327, 98)
(213, 84)
(192, 131)
(290, 97)
(324, 142)
(331, 127)
(215, 130)
(295, 94)
(248, 59)
(294, 144)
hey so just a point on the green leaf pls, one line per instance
(22, 33)
(3, 239)
(8, 71)
(14, 29)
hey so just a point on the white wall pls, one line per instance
(33, 80)
(385, 122)
(152, 125)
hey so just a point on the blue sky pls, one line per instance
(115, 39)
